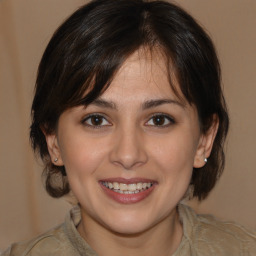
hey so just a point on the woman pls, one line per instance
(129, 116)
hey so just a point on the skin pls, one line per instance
(143, 130)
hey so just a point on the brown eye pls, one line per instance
(160, 120)
(96, 121)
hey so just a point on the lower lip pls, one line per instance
(127, 198)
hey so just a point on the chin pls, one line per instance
(128, 229)
(129, 224)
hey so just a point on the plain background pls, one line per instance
(25, 29)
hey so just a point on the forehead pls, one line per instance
(145, 71)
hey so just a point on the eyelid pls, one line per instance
(167, 116)
(87, 117)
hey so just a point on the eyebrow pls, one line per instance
(145, 105)
(157, 102)
(103, 103)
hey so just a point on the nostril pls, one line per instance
(128, 152)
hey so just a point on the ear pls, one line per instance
(53, 148)
(205, 144)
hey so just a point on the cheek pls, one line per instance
(82, 164)
(81, 156)
(175, 153)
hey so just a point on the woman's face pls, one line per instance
(129, 155)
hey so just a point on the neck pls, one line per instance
(162, 239)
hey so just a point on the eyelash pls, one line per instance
(167, 118)
(95, 115)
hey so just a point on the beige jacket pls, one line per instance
(203, 235)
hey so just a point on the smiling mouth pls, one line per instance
(123, 188)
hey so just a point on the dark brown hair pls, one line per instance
(91, 45)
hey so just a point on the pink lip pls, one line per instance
(128, 181)
(128, 198)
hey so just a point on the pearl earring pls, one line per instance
(55, 160)
(205, 160)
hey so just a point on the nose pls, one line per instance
(128, 149)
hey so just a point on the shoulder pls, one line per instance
(208, 234)
(53, 242)
(225, 236)
(63, 240)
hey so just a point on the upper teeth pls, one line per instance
(127, 187)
